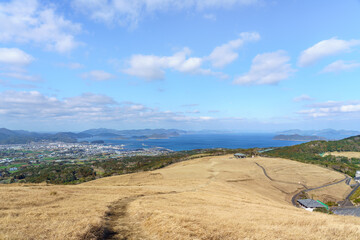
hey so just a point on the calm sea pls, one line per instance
(201, 141)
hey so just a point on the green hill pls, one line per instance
(311, 152)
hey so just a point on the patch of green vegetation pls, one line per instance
(331, 204)
(323, 210)
(355, 197)
(12, 165)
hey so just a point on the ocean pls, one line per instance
(201, 141)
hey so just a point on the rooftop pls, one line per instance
(310, 203)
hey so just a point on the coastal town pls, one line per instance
(14, 157)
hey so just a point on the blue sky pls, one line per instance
(244, 65)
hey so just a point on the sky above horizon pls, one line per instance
(244, 65)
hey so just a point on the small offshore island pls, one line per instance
(297, 137)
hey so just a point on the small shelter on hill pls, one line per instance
(311, 204)
(240, 155)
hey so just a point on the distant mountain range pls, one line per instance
(328, 134)
(21, 137)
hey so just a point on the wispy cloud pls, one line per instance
(227, 53)
(190, 105)
(97, 75)
(267, 68)
(25, 21)
(325, 48)
(302, 98)
(130, 13)
(331, 108)
(35, 106)
(340, 65)
(211, 17)
(71, 65)
(9, 84)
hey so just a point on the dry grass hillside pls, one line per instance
(205, 198)
(344, 154)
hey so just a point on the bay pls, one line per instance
(201, 141)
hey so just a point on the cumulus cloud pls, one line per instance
(302, 98)
(325, 48)
(13, 62)
(25, 21)
(126, 12)
(340, 65)
(267, 68)
(97, 75)
(14, 56)
(153, 67)
(331, 108)
(226, 53)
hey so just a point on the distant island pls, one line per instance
(329, 134)
(297, 137)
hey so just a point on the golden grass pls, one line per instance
(206, 198)
(344, 154)
(332, 193)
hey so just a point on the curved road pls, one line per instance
(293, 199)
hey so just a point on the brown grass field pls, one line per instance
(344, 154)
(206, 198)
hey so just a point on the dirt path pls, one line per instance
(117, 221)
(274, 180)
(305, 188)
(118, 225)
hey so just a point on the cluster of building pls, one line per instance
(6, 160)
(38, 153)
(60, 149)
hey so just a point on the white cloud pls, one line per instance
(340, 65)
(13, 62)
(29, 21)
(325, 48)
(153, 67)
(88, 107)
(331, 108)
(302, 98)
(125, 12)
(97, 75)
(226, 53)
(14, 56)
(267, 68)
(8, 84)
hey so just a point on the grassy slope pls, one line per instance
(310, 153)
(207, 198)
